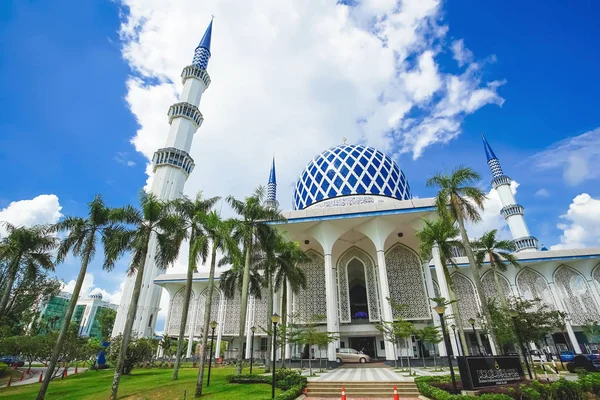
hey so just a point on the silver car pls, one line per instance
(352, 356)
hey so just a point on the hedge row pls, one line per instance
(584, 388)
(290, 381)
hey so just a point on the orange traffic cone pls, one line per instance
(75, 368)
(396, 394)
(9, 381)
(65, 373)
(343, 394)
(41, 377)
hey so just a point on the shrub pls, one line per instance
(290, 381)
(139, 351)
(3, 367)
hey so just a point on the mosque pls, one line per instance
(355, 217)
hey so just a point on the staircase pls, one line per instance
(384, 390)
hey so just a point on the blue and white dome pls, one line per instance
(348, 170)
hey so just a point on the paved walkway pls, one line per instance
(34, 376)
(361, 375)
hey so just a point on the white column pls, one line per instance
(443, 284)
(192, 318)
(249, 323)
(560, 306)
(290, 299)
(332, 306)
(221, 318)
(436, 318)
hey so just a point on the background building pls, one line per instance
(52, 312)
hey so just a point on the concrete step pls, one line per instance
(362, 383)
(362, 389)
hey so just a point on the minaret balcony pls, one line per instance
(526, 242)
(186, 110)
(500, 180)
(192, 71)
(513, 209)
(174, 157)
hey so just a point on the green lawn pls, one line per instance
(142, 384)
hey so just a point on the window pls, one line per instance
(150, 321)
(382, 345)
(343, 345)
(263, 344)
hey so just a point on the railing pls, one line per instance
(513, 209)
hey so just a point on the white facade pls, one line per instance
(172, 166)
(358, 225)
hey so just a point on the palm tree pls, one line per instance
(287, 272)
(191, 212)
(81, 240)
(218, 233)
(499, 254)
(28, 248)
(460, 200)
(253, 217)
(154, 220)
(442, 232)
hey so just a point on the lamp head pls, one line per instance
(253, 329)
(471, 321)
(512, 313)
(275, 318)
(453, 327)
(439, 309)
(213, 324)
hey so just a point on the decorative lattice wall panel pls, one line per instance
(313, 300)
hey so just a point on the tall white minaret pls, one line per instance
(511, 211)
(172, 166)
(271, 200)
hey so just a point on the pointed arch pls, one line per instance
(355, 253)
(465, 292)
(532, 285)
(436, 289)
(174, 322)
(311, 301)
(214, 310)
(596, 275)
(406, 282)
(489, 285)
(576, 295)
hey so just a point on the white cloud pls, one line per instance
(582, 224)
(491, 217)
(88, 288)
(576, 156)
(43, 209)
(122, 158)
(542, 193)
(460, 53)
(293, 78)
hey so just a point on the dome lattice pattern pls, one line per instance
(350, 170)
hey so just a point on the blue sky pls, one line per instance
(76, 87)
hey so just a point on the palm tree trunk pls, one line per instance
(207, 312)
(456, 311)
(500, 290)
(184, 312)
(129, 325)
(284, 301)
(60, 341)
(476, 276)
(269, 314)
(12, 274)
(244, 302)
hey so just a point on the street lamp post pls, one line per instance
(253, 329)
(213, 325)
(513, 315)
(458, 349)
(440, 311)
(472, 323)
(275, 320)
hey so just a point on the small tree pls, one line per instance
(138, 351)
(311, 335)
(396, 331)
(591, 330)
(106, 320)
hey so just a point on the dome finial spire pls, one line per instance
(489, 153)
(202, 53)
(271, 200)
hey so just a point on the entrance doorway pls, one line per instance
(359, 309)
(364, 344)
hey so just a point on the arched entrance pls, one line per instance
(359, 308)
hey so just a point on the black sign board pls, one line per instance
(480, 372)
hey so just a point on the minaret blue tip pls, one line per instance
(489, 153)
(205, 42)
(272, 178)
